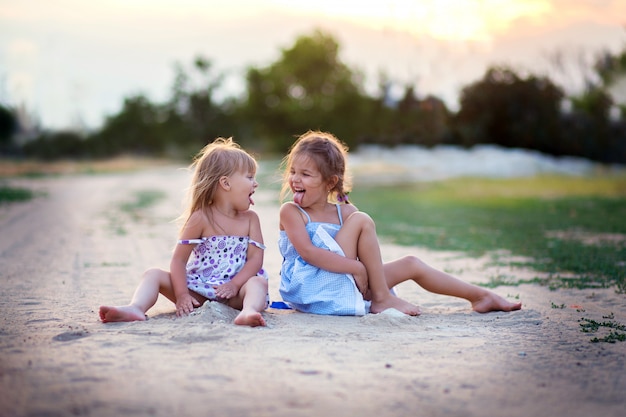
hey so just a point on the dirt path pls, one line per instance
(83, 244)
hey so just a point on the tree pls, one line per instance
(307, 88)
(422, 122)
(611, 67)
(56, 145)
(589, 129)
(592, 128)
(598, 135)
(135, 129)
(8, 126)
(511, 111)
(186, 122)
(193, 112)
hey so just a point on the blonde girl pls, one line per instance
(332, 260)
(219, 254)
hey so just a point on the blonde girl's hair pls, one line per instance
(330, 156)
(222, 157)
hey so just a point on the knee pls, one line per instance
(413, 263)
(153, 274)
(361, 218)
(149, 273)
(258, 281)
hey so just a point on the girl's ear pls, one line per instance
(332, 182)
(224, 183)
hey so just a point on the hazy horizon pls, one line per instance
(72, 63)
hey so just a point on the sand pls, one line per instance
(81, 244)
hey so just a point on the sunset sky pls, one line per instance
(71, 62)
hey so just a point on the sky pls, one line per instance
(70, 63)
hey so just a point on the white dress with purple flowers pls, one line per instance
(215, 261)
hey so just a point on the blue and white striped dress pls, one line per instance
(310, 289)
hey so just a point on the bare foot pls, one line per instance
(124, 313)
(250, 318)
(493, 302)
(397, 303)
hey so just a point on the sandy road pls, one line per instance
(82, 244)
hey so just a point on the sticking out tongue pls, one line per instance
(251, 200)
(297, 197)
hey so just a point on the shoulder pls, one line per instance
(197, 218)
(291, 215)
(289, 207)
(347, 209)
(249, 215)
(195, 225)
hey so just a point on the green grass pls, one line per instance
(574, 229)
(142, 200)
(13, 195)
(616, 331)
(133, 209)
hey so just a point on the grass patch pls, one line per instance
(134, 208)
(13, 195)
(616, 331)
(560, 306)
(11, 168)
(143, 199)
(38, 169)
(572, 228)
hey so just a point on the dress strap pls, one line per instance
(190, 241)
(197, 241)
(305, 213)
(257, 244)
(339, 214)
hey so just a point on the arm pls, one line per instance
(178, 266)
(292, 223)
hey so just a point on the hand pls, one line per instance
(185, 305)
(227, 291)
(361, 280)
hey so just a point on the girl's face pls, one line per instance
(306, 182)
(243, 185)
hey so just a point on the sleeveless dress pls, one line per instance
(215, 261)
(310, 289)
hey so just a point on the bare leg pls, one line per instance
(433, 280)
(358, 239)
(252, 300)
(153, 282)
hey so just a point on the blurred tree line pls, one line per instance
(309, 87)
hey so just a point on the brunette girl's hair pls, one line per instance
(222, 157)
(330, 156)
